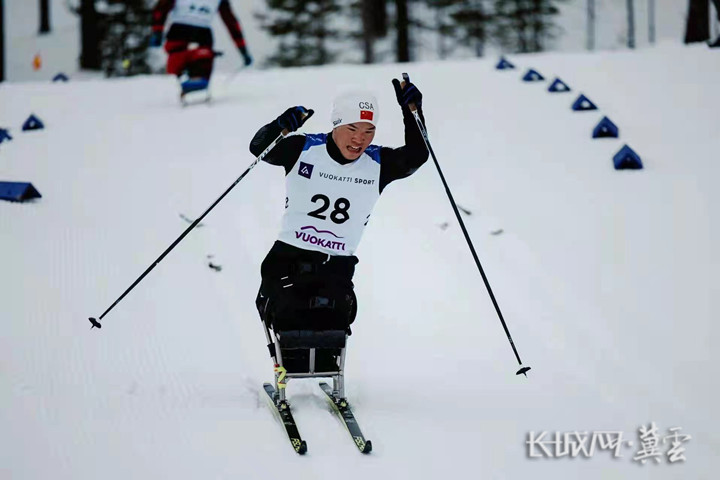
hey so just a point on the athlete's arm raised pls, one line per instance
(397, 163)
(286, 152)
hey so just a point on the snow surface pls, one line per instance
(607, 279)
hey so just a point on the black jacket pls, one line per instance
(395, 163)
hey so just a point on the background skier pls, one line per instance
(190, 23)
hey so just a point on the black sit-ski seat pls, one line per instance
(311, 352)
(307, 336)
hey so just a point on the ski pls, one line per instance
(343, 411)
(195, 97)
(283, 411)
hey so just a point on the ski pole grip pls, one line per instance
(303, 117)
(406, 80)
(411, 106)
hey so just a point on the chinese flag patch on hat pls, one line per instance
(352, 107)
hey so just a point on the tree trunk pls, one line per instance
(44, 16)
(2, 42)
(651, 21)
(590, 25)
(521, 24)
(90, 42)
(631, 23)
(368, 33)
(537, 26)
(322, 51)
(403, 30)
(698, 21)
(480, 29)
(441, 51)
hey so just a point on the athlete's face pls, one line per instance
(352, 139)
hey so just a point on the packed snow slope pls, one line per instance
(607, 279)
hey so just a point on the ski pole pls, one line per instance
(523, 370)
(96, 321)
(234, 74)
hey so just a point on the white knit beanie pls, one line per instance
(356, 106)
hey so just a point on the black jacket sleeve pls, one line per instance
(285, 153)
(397, 163)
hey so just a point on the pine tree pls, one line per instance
(515, 25)
(464, 22)
(524, 25)
(443, 25)
(126, 37)
(115, 35)
(473, 21)
(372, 25)
(305, 31)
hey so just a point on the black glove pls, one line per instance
(407, 93)
(294, 117)
(246, 56)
